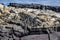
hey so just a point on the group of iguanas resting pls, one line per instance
(29, 18)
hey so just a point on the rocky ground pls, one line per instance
(42, 37)
(16, 23)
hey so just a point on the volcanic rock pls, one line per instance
(36, 6)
